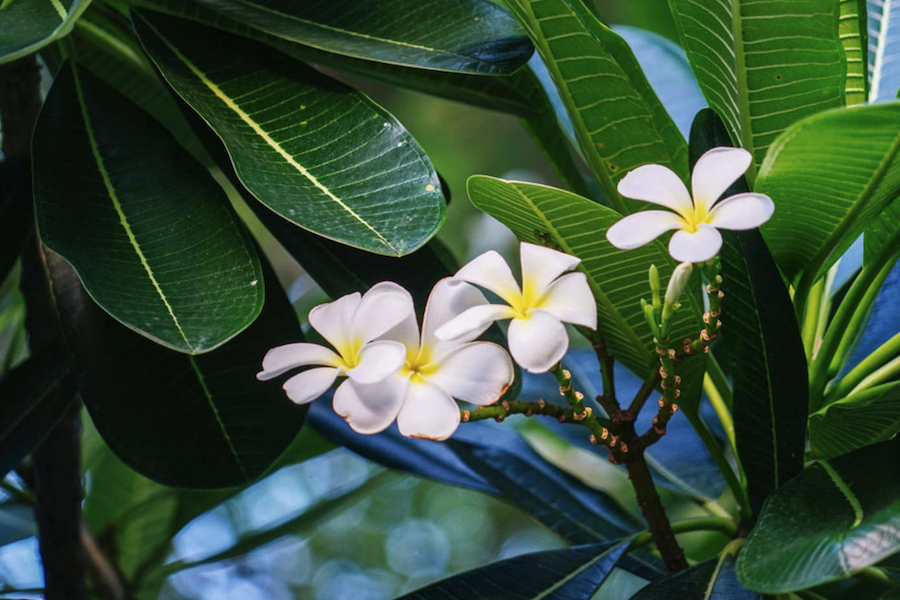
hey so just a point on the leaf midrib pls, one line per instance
(117, 206)
(258, 130)
(573, 574)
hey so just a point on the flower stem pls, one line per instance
(500, 411)
(607, 373)
(723, 525)
(722, 412)
(646, 390)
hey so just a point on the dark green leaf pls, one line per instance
(474, 36)
(27, 25)
(618, 120)
(710, 580)
(864, 418)
(837, 517)
(16, 212)
(763, 65)
(618, 278)
(318, 153)
(152, 236)
(33, 397)
(190, 421)
(851, 155)
(566, 574)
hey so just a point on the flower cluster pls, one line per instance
(395, 371)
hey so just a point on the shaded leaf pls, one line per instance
(860, 419)
(618, 120)
(152, 236)
(710, 580)
(565, 574)
(316, 152)
(33, 398)
(16, 211)
(28, 25)
(763, 65)
(835, 518)
(190, 421)
(857, 175)
(474, 36)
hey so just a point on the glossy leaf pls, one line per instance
(16, 212)
(473, 36)
(860, 419)
(763, 65)
(762, 338)
(884, 47)
(618, 278)
(152, 236)
(190, 421)
(856, 175)
(618, 119)
(106, 46)
(28, 25)
(33, 398)
(710, 580)
(565, 574)
(316, 152)
(853, 33)
(837, 517)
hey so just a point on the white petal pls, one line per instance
(679, 279)
(491, 272)
(570, 300)
(741, 211)
(290, 356)
(695, 247)
(537, 342)
(382, 307)
(477, 318)
(642, 228)
(478, 372)
(370, 408)
(309, 385)
(377, 360)
(407, 333)
(332, 319)
(659, 185)
(428, 412)
(540, 266)
(449, 299)
(714, 172)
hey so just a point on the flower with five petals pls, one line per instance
(548, 297)
(351, 325)
(420, 395)
(697, 221)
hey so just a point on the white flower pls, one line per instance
(350, 324)
(420, 395)
(697, 221)
(547, 298)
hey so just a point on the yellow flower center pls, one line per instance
(419, 367)
(695, 218)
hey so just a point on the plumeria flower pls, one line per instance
(697, 222)
(420, 395)
(350, 324)
(546, 299)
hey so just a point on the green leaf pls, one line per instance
(761, 336)
(189, 421)
(619, 122)
(150, 233)
(565, 574)
(830, 175)
(763, 65)
(853, 33)
(316, 152)
(837, 517)
(105, 45)
(884, 47)
(16, 211)
(33, 398)
(618, 278)
(473, 36)
(28, 25)
(713, 579)
(864, 418)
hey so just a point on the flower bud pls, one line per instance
(679, 280)
(655, 286)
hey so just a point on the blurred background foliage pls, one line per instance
(336, 526)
